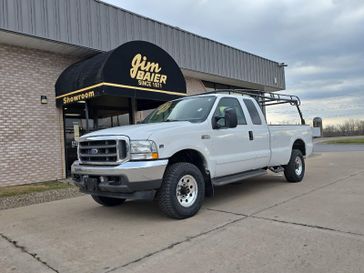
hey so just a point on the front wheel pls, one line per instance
(294, 171)
(108, 201)
(182, 191)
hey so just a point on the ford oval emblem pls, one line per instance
(94, 151)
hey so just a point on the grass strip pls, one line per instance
(346, 141)
(34, 187)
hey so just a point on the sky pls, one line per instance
(321, 41)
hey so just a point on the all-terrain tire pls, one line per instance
(169, 197)
(294, 171)
(108, 201)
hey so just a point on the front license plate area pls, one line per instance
(91, 184)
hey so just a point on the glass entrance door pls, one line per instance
(74, 126)
(81, 118)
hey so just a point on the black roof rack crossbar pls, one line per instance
(264, 98)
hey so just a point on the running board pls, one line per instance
(219, 181)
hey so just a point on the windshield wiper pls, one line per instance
(174, 120)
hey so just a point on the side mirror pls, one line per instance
(231, 118)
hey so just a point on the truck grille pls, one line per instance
(102, 152)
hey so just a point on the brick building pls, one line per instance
(40, 39)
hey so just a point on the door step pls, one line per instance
(219, 181)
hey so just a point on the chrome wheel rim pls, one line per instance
(298, 166)
(186, 191)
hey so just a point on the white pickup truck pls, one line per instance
(188, 146)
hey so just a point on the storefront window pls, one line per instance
(112, 121)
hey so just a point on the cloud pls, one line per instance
(330, 110)
(321, 41)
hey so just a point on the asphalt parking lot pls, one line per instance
(259, 225)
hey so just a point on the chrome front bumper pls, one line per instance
(129, 177)
(135, 171)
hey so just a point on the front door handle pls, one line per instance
(251, 135)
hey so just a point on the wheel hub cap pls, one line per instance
(186, 191)
(298, 166)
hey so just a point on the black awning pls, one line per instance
(136, 69)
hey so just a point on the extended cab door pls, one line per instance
(231, 151)
(259, 133)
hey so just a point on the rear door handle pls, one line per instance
(251, 136)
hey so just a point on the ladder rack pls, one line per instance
(264, 98)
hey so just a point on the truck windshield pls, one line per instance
(193, 109)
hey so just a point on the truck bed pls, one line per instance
(281, 135)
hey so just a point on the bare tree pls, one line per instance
(347, 128)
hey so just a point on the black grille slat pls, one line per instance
(98, 142)
(98, 155)
(102, 151)
(97, 146)
(88, 159)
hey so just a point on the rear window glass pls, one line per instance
(253, 111)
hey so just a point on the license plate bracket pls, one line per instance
(91, 184)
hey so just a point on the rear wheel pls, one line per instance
(182, 191)
(294, 171)
(108, 201)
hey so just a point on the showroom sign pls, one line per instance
(135, 69)
(147, 72)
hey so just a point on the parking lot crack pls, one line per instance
(188, 239)
(341, 179)
(307, 225)
(255, 216)
(26, 251)
(229, 212)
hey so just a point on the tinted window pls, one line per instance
(253, 112)
(230, 103)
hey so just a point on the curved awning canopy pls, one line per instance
(135, 69)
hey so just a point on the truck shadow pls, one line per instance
(244, 188)
(148, 210)
(143, 209)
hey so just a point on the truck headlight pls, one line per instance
(143, 150)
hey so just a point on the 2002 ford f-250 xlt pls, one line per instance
(186, 147)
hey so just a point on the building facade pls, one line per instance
(40, 39)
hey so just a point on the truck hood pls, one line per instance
(139, 131)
